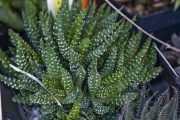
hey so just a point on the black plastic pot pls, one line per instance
(11, 110)
(4, 39)
(162, 24)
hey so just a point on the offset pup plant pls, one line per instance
(165, 107)
(88, 65)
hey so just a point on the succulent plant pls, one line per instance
(164, 107)
(77, 65)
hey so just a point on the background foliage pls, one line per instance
(176, 2)
(11, 10)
